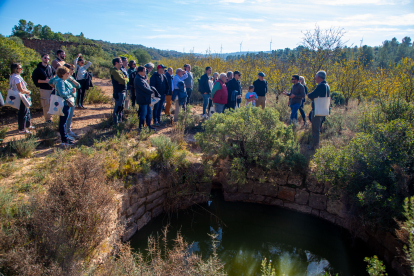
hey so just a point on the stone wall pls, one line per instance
(304, 194)
(46, 46)
(146, 199)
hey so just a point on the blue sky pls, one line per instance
(182, 25)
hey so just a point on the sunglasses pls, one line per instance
(46, 58)
(19, 68)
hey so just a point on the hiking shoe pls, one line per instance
(31, 127)
(157, 124)
(152, 128)
(24, 132)
(71, 133)
(67, 144)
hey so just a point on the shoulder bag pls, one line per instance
(322, 104)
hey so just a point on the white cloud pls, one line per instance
(360, 2)
(232, 1)
(246, 20)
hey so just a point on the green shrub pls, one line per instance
(253, 135)
(3, 133)
(166, 149)
(375, 267)
(373, 168)
(24, 147)
(96, 96)
(337, 98)
(283, 109)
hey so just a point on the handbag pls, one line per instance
(70, 101)
(13, 98)
(212, 111)
(155, 100)
(56, 105)
(26, 100)
(322, 104)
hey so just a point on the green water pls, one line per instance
(297, 244)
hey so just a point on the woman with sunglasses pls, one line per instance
(80, 76)
(18, 84)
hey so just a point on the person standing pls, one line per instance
(169, 77)
(260, 87)
(143, 96)
(321, 90)
(219, 93)
(302, 112)
(17, 83)
(180, 76)
(234, 90)
(148, 68)
(80, 76)
(132, 72)
(159, 81)
(60, 59)
(205, 89)
(296, 95)
(119, 83)
(64, 90)
(189, 82)
(41, 76)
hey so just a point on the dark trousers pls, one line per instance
(144, 115)
(302, 113)
(210, 104)
(62, 124)
(316, 129)
(119, 107)
(157, 110)
(230, 105)
(23, 117)
(189, 91)
(132, 96)
(81, 93)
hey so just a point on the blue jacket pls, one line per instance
(143, 90)
(204, 86)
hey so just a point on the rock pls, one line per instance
(229, 188)
(287, 193)
(297, 207)
(136, 199)
(278, 178)
(295, 179)
(235, 197)
(153, 196)
(255, 173)
(256, 198)
(138, 214)
(317, 201)
(315, 212)
(327, 216)
(156, 202)
(144, 220)
(129, 232)
(246, 187)
(157, 211)
(301, 197)
(267, 200)
(277, 202)
(268, 189)
(313, 185)
(124, 203)
(336, 207)
(341, 222)
(131, 210)
(123, 220)
(151, 181)
(130, 221)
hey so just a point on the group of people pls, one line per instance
(223, 91)
(153, 94)
(66, 80)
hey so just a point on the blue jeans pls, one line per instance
(206, 98)
(294, 114)
(62, 124)
(189, 91)
(219, 107)
(144, 114)
(69, 120)
(119, 107)
(157, 110)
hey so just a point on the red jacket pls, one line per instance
(220, 96)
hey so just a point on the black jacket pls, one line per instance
(169, 81)
(43, 73)
(322, 90)
(143, 90)
(160, 83)
(260, 87)
(233, 85)
(203, 85)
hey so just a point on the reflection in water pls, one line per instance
(246, 233)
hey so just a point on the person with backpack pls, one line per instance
(168, 101)
(41, 76)
(132, 73)
(219, 93)
(159, 81)
(81, 76)
(205, 89)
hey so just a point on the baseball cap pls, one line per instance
(161, 66)
(261, 74)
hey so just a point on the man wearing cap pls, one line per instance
(296, 95)
(321, 90)
(148, 68)
(159, 81)
(180, 76)
(260, 87)
(234, 90)
(188, 82)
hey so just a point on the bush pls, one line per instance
(253, 135)
(96, 96)
(3, 133)
(375, 267)
(373, 168)
(24, 147)
(337, 98)
(166, 149)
